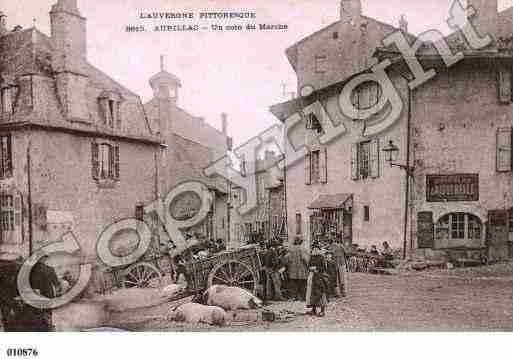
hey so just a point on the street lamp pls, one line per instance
(391, 154)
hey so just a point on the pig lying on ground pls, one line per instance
(133, 298)
(195, 313)
(230, 298)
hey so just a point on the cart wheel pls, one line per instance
(142, 275)
(234, 274)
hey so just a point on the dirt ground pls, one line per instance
(461, 299)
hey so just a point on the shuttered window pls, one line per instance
(504, 158)
(316, 166)
(299, 224)
(105, 161)
(365, 160)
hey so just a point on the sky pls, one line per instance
(240, 73)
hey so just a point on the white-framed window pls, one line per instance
(105, 161)
(459, 226)
(365, 160)
(321, 64)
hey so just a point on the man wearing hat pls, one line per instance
(339, 257)
(297, 265)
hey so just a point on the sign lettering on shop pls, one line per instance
(452, 188)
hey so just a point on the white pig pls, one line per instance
(195, 313)
(231, 298)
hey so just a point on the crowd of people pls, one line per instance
(297, 274)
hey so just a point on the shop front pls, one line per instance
(332, 213)
(457, 220)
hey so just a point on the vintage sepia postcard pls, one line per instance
(250, 166)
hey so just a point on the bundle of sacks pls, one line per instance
(210, 307)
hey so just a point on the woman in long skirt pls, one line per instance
(317, 286)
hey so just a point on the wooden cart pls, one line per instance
(236, 268)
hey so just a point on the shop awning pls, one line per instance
(332, 201)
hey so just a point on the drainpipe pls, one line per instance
(29, 200)
(409, 173)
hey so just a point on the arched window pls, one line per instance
(459, 226)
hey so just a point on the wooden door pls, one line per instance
(497, 234)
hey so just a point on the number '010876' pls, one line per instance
(22, 352)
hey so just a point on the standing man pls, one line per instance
(339, 257)
(271, 264)
(297, 263)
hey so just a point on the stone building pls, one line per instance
(77, 152)
(191, 146)
(267, 220)
(452, 139)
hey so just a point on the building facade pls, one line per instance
(267, 220)
(453, 136)
(78, 153)
(191, 146)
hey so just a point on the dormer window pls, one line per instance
(109, 107)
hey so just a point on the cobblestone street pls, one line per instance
(473, 299)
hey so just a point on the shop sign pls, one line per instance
(452, 188)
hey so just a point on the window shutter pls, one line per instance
(354, 161)
(8, 157)
(102, 107)
(118, 114)
(504, 158)
(324, 166)
(504, 86)
(94, 161)
(17, 210)
(116, 161)
(111, 162)
(425, 230)
(374, 158)
(308, 168)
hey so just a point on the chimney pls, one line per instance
(351, 33)
(3, 24)
(224, 123)
(68, 29)
(351, 12)
(403, 24)
(486, 19)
